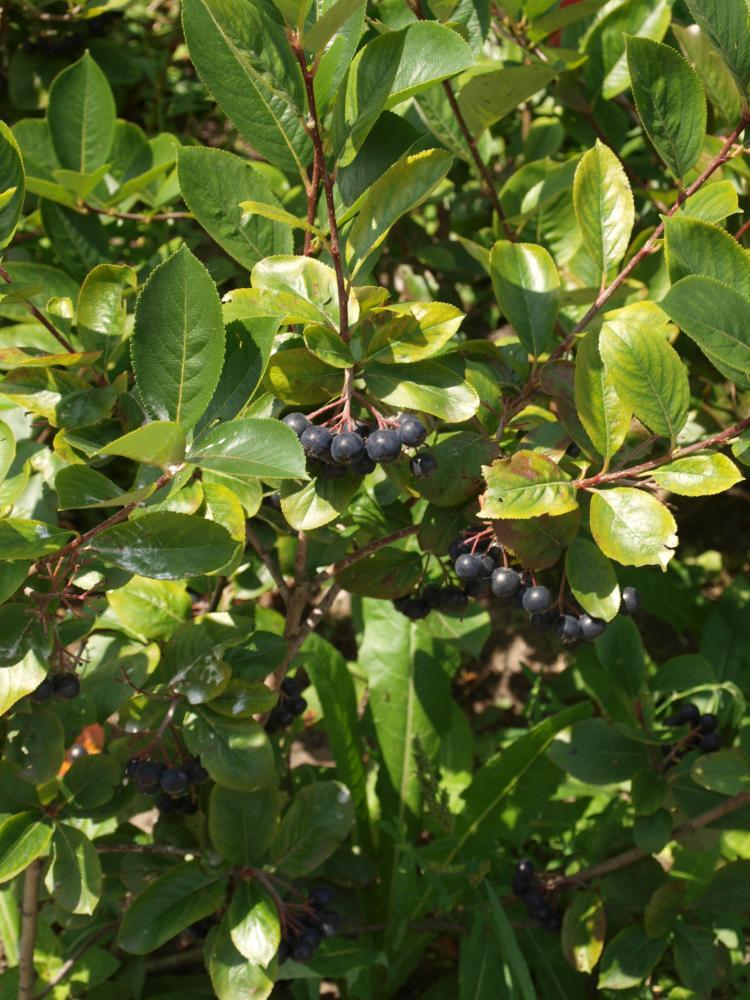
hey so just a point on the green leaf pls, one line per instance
(647, 374)
(583, 931)
(310, 284)
(527, 288)
(387, 573)
(459, 456)
(7, 449)
(169, 904)
(604, 206)
(316, 823)
(329, 23)
(526, 485)
(20, 679)
(696, 247)
(241, 53)
(235, 752)
(81, 116)
(717, 318)
(327, 345)
(727, 24)
(78, 486)
(250, 448)
(607, 65)
(150, 609)
(400, 189)
(165, 546)
(243, 824)
(389, 69)
(276, 213)
(436, 387)
(12, 185)
(407, 332)
(510, 949)
(633, 527)
(232, 976)
(592, 578)
(80, 241)
(101, 309)
(253, 923)
(629, 958)
(652, 833)
(622, 658)
(597, 752)
(90, 782)
(538, 542)
(39, 746)
(711, 203)
(500, 775)
(160, 443)
(74, 876)
(213, 182)
(726, 772)
(716, 77)
(698, 475)
(334, 687)
(670, 101)
(178, 341)
(603, 414)
(23, 838)
(298, 377)
(491, 95)
(318, 502)
(24, 539)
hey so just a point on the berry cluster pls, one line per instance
(64, 686)
(360, 449)
(432, 598)
(307, 927)
(290, 705)
(171, 785)
(529, 889)
(702, 736)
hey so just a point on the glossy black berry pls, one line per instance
(290, 686)
(166, 804)
(544, 621)
(412, 431)
(708, 723)
(197, 774)
(76, 752)
(363, 465)
(298, 422)
(66, 686)
(302, 951)
(422, 465)
(535, 902)
(468, 567)
(297, 705)
(567, 628)
(42, 693)
(186, 806)
(175, 781)
(458, 547)
(329, 923)
(479, 588)
(525, 870)
(148, 775)
(363, 429)
(710, 743)
(131, 768)
(591, 628)
(488, 564)
(383, 445)
(285, 716)
(413, 607)
(347, 447)
(630, 601)
(688, 715)
(537, 600)
(316, 441)
(320, 896)
(505, 582)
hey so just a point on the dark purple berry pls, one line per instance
(298, 422)
(422, 465)
(148, 775)
(363, 466)
(413, 607)
(479, 588)
(591, 628)
(525, 870)
(175, 781)
(468, 567)
(452, 599)
(197, 774)
(186, 806)
(689, 715)
(297, 705)
(630, 602)
(383, 445)
(166, 804)
(544, 621)
(66, 686)
(302, 951)
(710, 743)
(505, 582)
(567, 628)
(131, 768)
(708, 723)
(43, 692)
(537, 600)
(347, 447)
(412, 431)
(284, 716)
(312, 936)
(328, 471)
(329, 923)
(316, 441)
(459, 547)
(320, 896)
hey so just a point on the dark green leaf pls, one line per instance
(316, 823)
(583, 930)
(81, 116)
(599, 754)
(13, 180)
(235, 752)
(74, 876)
(592, 578)
(23, 838)
(253, 923)
(727, 24)
(527, 288)
(250, 448)
(243, 824)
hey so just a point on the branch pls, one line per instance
(116, 518)
(312, 202)
(268, 562)
(182, 852)
(134, 216)
(273, 681)
(366, 550)
(29, 913)
(37, 314)
(637, 854)
(77, 953)
(312, 126)
(710, 442)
